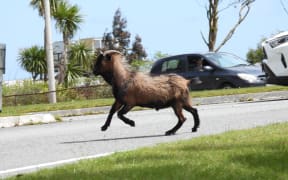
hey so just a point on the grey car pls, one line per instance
(212, 70)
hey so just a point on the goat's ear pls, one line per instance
(99, 57)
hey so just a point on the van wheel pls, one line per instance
(227, 86)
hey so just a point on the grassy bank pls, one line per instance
(19, 110)
(75, 104)
(260, 153)
(223, 92)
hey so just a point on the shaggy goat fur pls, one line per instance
(132, 88)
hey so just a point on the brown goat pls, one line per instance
(138, 89)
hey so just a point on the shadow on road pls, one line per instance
(121, 138)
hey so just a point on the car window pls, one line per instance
(196, 63)
(226, 60)
(171, 66)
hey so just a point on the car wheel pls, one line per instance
(227, 86)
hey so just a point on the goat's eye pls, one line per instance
(108, 58)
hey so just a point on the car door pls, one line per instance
(199, 67)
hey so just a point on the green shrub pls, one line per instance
(29, 92)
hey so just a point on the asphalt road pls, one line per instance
(28, 148)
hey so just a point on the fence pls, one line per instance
(76, 93)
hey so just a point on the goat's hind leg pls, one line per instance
(194, 112)
(181, 120)
(123, 111)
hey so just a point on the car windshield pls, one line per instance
(226, 60)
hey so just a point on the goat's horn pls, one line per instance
(111, 51)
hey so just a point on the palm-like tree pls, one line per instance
(33, 60)
(67, 22)
(80, 63)
(81, 55)
(73, 72)
(39, 5)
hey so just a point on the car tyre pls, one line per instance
(227, 86)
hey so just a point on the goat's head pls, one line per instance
(104, 62)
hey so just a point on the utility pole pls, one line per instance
(49, 53)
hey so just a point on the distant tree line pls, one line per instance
(119, 39)
(76, 59)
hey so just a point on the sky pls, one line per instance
(171, 27)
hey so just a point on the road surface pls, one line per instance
(28, 148)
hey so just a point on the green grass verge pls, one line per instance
(234, 91)
(19, 110)
(259, 153)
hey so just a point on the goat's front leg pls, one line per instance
(115, 107)
(123, 111)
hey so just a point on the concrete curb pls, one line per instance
(48, 117)
(13, 121)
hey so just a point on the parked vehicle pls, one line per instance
(213, 70)
(276, 59)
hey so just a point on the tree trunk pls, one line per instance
(212, 14)
(64, 61)
(49, 54)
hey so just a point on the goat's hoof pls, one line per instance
(194, 129)
(132, 123)
(169, 133)
(104, 128)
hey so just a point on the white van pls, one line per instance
(275, 62)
